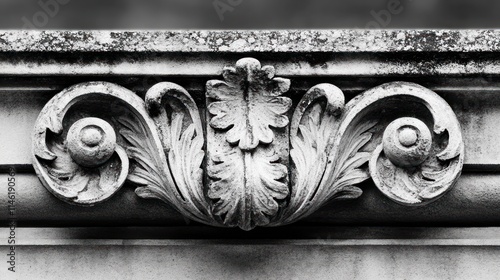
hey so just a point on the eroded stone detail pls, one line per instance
(169, 168)
(75, 155)
(260, 169)
(247, 153)
(416, 163)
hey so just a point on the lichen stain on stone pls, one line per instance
(2, 40)
(293, 41)
(318, 60)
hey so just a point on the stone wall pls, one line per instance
(345, 146)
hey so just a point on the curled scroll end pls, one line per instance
(44, 124)
(40, 150)
(335, 102)
(445, 119)
(156, 93)
(88, 168)
(176, 97)
(77, 157)
(406, 167)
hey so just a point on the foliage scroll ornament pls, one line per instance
(255, 163)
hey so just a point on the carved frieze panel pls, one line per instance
(253, 159)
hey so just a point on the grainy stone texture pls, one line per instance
(248, 144)
(247, 164)
(98, 48)
(253, 41)
(257, 262)
(460, 65)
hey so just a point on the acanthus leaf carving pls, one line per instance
(324, 168)
(246, 171)
(166, 168)
(250, 200)
(172, 170)
(259, 169)
(334, 142)
(249, 103)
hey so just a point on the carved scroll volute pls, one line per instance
(332, 144)
(93, 136)
(75, 154)
(416, 163)
(85, 135)
(247, 144)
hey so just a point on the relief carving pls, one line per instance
(247, 177)
(257, 163)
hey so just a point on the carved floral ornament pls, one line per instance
(256, 163)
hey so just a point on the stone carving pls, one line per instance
(413, 165)
(325, 152)
(169, 157)
(262, 167)
(245, 165)
(75, 155)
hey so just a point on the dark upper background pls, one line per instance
(248, 14)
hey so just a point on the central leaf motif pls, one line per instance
(249, 103)
(248, 179)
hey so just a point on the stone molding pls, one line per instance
(254, 159)
(256, 41)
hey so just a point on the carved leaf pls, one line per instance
(330, 153)
(248, 182)
(412, 165)
(249, 103)
(186, 157)
(247, 194)
(69, 178)
(347, 171)
(412, 160)
(148, 170)
(317, 177)
(176, 179)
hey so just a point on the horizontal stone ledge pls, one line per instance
(475, 86)
(256, 262)
(474, 201)
(241, 41)
(292, 236)
(211, 64)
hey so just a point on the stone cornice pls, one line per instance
(262, 134)
(251, 41)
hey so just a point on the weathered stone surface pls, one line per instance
(321, 152)
(435, 67)
(247, 166)
(247, 144)
(253, 41)
(270, 260)
(450, 63)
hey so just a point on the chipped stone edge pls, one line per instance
(243, 41)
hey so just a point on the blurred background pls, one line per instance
(247, 14)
